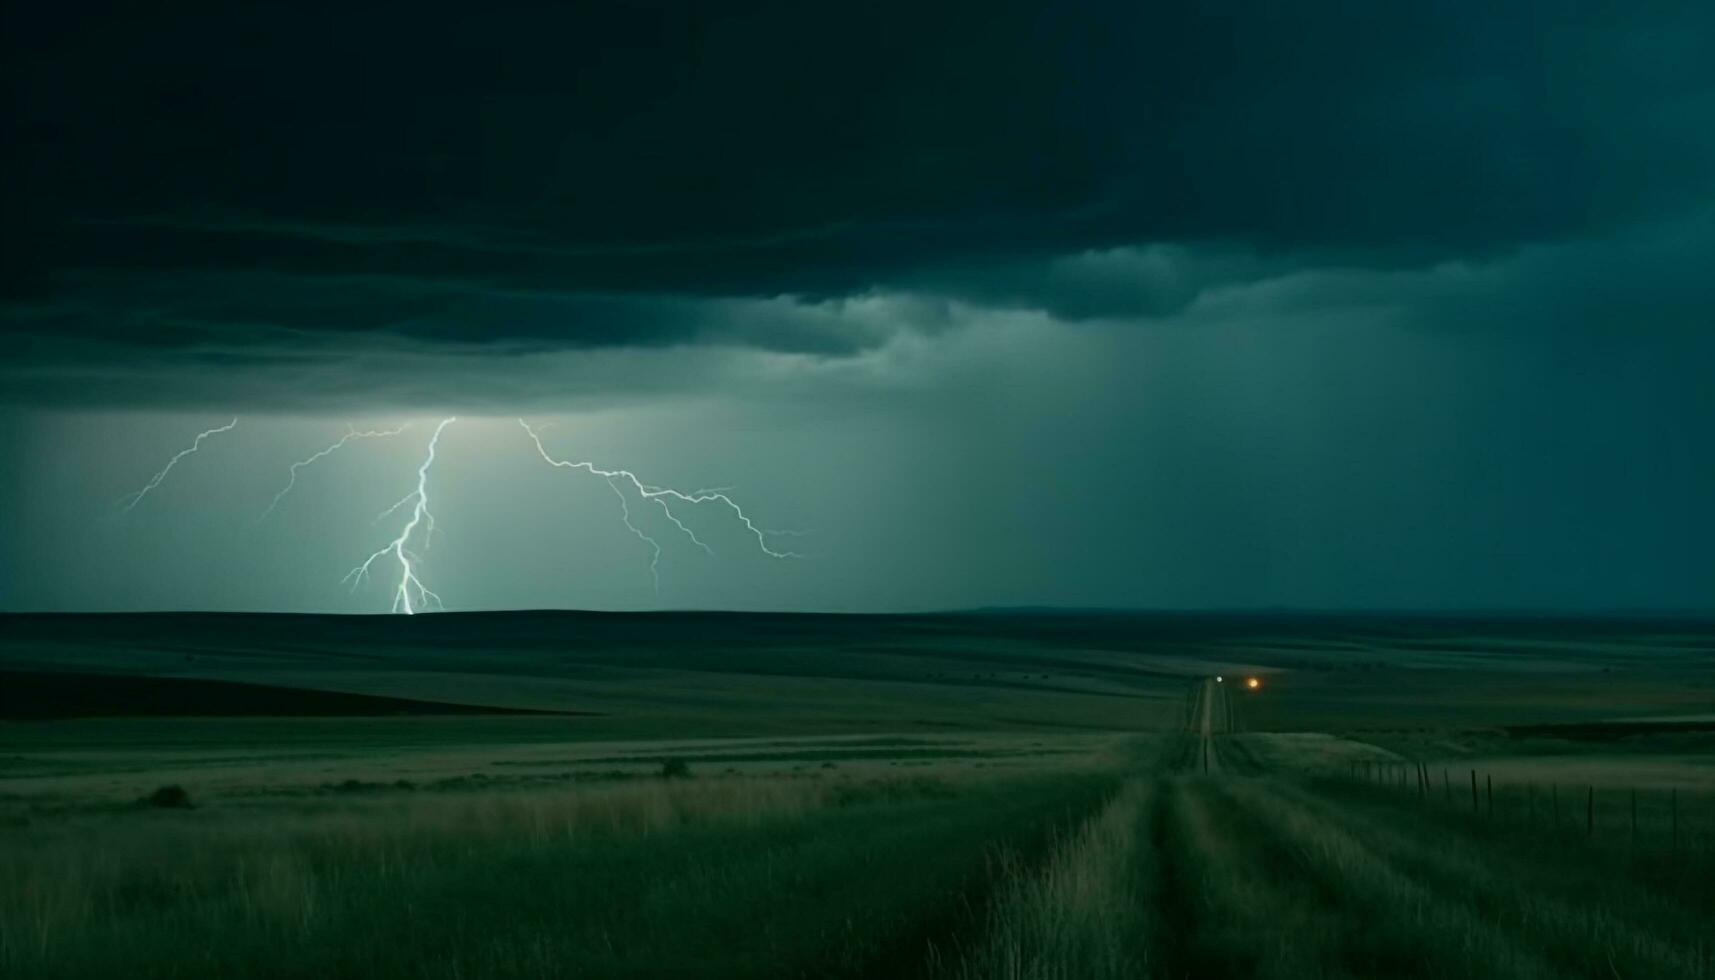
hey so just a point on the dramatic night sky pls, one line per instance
(1314, 304)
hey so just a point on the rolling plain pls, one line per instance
(1003, 794)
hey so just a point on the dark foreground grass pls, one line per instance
(1205, 858)
(1086, 914)
(1242, 873)
(1277, 878)
(1640, 900)
(662, 880)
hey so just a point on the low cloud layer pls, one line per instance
(235, 188)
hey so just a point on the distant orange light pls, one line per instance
(1252, 683)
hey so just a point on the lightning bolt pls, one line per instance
(409, 583)
(663, 497)
(654, 545)
(133, 499)
(351, 433)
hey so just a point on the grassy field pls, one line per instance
(1001, 795)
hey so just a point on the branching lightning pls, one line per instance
(409, 583)
(654, 545)
(410, 595)
(663, 497)
(351, 432)
(133, 499)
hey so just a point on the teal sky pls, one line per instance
(1255, 465)
(1245, 305)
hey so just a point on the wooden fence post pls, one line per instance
(1447, 785)
(1473, 791)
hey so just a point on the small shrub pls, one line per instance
(173, 797)
(675, 769)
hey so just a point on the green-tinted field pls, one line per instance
(992, 795)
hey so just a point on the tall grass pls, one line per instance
(1373, 917)
(712, 877)
(1085, 916)
(1273, 879)
(1318, 886)
(1020, 877)
(1589, 910)
(1230, 914)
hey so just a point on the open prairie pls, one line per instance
(982, 795)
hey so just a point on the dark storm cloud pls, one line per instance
(232, 307)
(523, 178)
